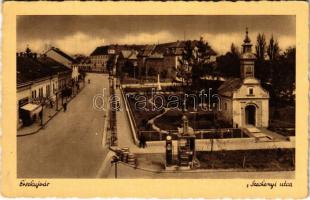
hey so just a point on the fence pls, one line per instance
(200, 134)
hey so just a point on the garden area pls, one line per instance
(247, 160)
(262, 160)
(164, 111)
(282, 120)
(147, 103)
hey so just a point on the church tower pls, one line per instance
(247, 59)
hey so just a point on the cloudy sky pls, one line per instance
(82, 34)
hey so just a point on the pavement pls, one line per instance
(124, 134)
(48, 114)
(70, 145)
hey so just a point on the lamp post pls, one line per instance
(42, 104)
(56, 100)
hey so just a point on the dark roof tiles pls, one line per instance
(30, 69)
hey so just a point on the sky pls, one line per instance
(82, 34)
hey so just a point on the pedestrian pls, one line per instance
(51, 103)
(65, 106)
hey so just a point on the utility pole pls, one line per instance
(42, 104)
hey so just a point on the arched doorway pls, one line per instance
(250, 115)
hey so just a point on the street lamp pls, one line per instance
(42, 104)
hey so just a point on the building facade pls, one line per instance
(100, 56)
(39, 79)
(244, 103)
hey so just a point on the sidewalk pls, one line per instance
(48, 114)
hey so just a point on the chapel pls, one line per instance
(244, 103)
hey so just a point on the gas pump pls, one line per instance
(168, 150)
(186, 151)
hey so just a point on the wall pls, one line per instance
(54, 82)
(226, 114)
(265, 116)
(262, 112)
(41, 84)
(23, 93)
(156, 64)
(259, 98)
(237, 114)
(75, 72)
(99, 62)
(225, 144)
(171, 63)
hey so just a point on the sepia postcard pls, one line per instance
(155, 99)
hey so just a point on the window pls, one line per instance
(48, 91)
(34, 94)
(250, 91)
(40, 92)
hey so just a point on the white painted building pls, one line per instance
(244, 102)
(38, 79)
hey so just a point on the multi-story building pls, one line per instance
(83, 63)
(100, 56)
(164, 58)
(39, 79)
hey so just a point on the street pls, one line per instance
(70, 146)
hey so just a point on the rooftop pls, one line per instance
(63, 54)
(30, 68)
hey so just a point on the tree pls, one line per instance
(260, 47)
(229, 64)
(273, 54)
(261, 66)
(284, 76)
(111, 64)
(128, 68)
(186, 60)
(273, 49)
(194, 62)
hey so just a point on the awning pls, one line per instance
(32, 107)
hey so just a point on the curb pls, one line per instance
(129, 117)
(41, 127)
(195, 170)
